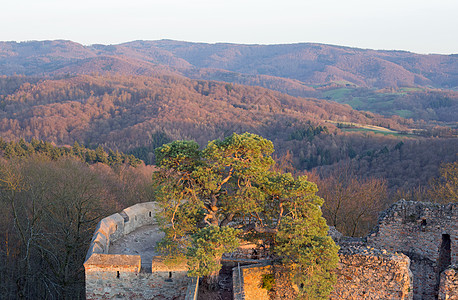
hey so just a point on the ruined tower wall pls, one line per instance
(366, 273)
(427, 233)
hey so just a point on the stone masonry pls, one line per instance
(408, 255)
(124, 275)
(448, 289)
(363, 273)
(411, 238)
(427, 233)
(368, 273)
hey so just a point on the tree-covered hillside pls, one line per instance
(136, 114)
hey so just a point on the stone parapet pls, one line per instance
(113, 263)
(113, 227)
(132, 285)
(121, 276)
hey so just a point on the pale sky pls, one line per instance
(422, 26)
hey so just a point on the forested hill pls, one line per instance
(293, 65)
(136, 114)
(316, 64)
(124, 112)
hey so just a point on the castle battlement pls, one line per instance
(122, 260)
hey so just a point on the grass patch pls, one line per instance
(358, 129)
(268, 281)
(411, 89)
(403, 113)
(337, 94)
(356, 103)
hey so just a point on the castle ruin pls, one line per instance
(428, 234)
(411, 254)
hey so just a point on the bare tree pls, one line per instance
(54, 206)
(351, 204)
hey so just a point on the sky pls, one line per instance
(421, 26)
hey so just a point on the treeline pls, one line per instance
(405, 164)
(22, 148)
(353, 203)
(354, 200)
(51, 198)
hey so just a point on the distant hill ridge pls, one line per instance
(291, 66)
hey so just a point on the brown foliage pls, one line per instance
(352, 204)
(445, 188)
(49, 212)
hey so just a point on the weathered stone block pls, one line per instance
(448, 288)
(102, 240)
(368, 273)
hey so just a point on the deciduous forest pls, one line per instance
(79, 126)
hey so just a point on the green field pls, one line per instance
(337, 94)
(403, 113)
(358, 129)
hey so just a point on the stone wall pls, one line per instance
(367, 273)
(237, 284)
(111, 276)
(427, 233)
(363, 273)
(111, 228)
(448, 289)
(116, 276)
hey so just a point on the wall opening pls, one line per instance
(445, 257)
(170, 277)
(423, 225)
(150, 214)
(117, 274)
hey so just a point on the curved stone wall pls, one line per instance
(117, 225)
(121, 276)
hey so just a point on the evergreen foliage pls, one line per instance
(228, 193)
(207, 247)
(22, 148)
